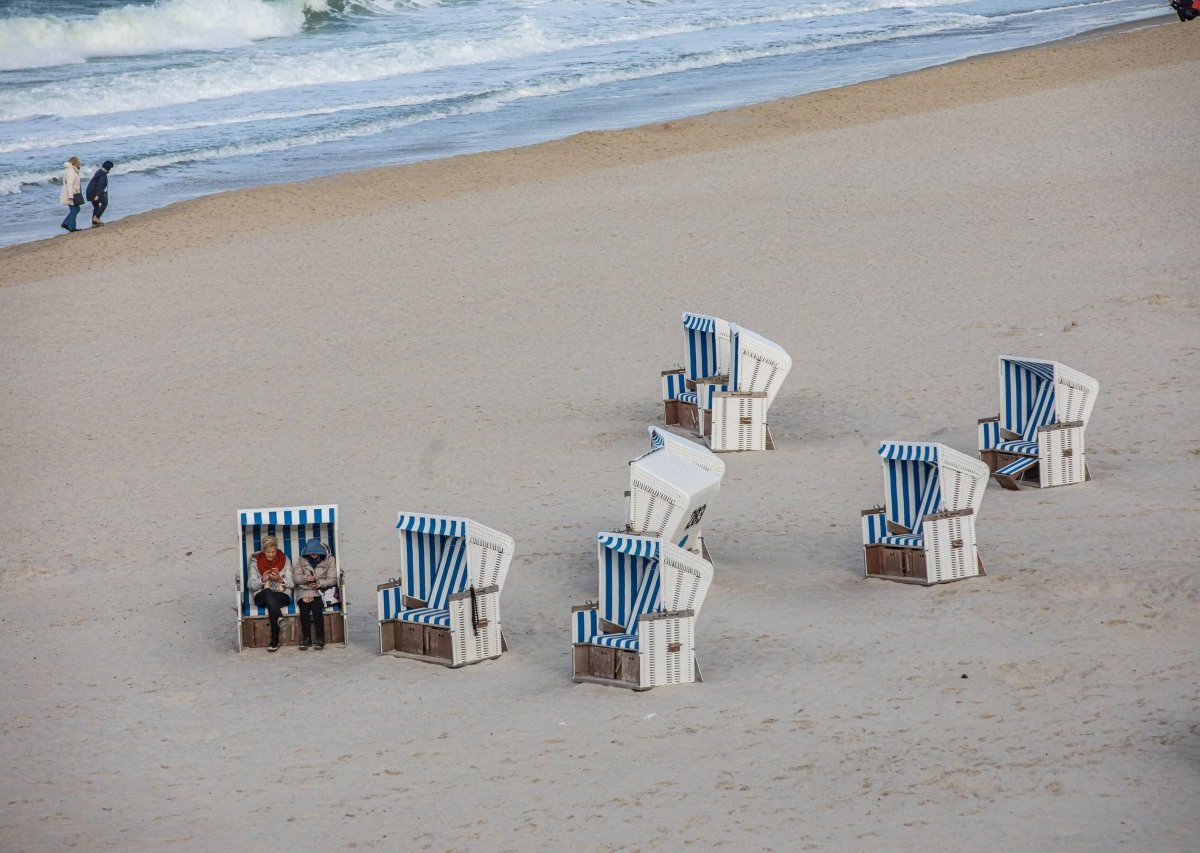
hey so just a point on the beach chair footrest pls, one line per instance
(1014, 470)
(417, 640)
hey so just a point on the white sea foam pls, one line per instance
(242, 75)
(162, 27)
(10, 184)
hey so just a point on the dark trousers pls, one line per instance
(312, 613)
(98, 207)
(274, 601)
(72, 212)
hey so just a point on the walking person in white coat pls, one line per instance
(71, 194)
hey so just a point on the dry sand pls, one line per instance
(482, 336)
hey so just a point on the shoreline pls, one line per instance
(944, 86)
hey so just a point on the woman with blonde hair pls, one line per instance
(270, 579)
(71, 195)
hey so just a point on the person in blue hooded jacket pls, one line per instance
(97, 192)
(314, 572)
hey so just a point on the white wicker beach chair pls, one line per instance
(735, 417)
(707, 356)
(292, 525)
(1044, 409)
(445, 606)
(925, 531)
(642, 631)
(669, 497)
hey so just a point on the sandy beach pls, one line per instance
(482, 336)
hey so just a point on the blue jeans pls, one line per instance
(69, 222)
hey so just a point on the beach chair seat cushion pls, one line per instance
(439, 616)
(629, 642)
(1015, 467)
(1024, 447)
(688, 397)
(904, 540)
(249, 608)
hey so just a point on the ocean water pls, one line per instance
(191, 97)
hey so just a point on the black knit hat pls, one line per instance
(107, 164)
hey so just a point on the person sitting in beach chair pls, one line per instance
(270, 582)
(1185, 9)
(315, 572)
(288, 533)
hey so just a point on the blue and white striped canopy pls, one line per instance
(441, 525)
(288, 516)
(912, 487)
(623, 543)
(700, 334)
(625, 563)
(425, 540)
(909, 451)
(1026, 395)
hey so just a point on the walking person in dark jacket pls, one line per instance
(97, 192)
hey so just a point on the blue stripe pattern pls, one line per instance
(904, 541)
(423, 540)
(585, 624)
(673, 386)
(1042, 412)
(1017, 466)
(1026, 447)
(390, 598)
(628, 642)
(1020, 383)
(292, 526)
(427, 616)
(931, 497)
(701, 333)
(624, 562)
(647, 600)
(874, 528)
(451, 574)
(989, 435)
(688, 397)
(910, 480)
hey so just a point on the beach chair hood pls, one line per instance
(707, 346)
(1035, 392)
(695, 453)
(669, 495)
(758, 364)
(921, 478)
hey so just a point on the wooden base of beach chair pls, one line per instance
(256, 632)
(904, 565)
(671, 409)
(604, 665)
(429, 643)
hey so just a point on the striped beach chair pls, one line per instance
(707, 358)
(925, 531)
(670, 487)
(735, 417)
(292, 526)
(1044, 409)
(445, 605)
(642, 631)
